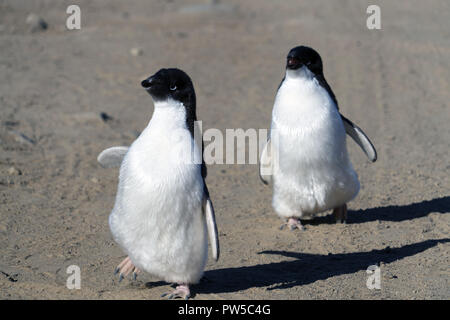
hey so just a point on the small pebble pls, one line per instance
(10, 123)
(105, 117)
(136, 52)
(21, 138)
(36, 23)
(14, 172)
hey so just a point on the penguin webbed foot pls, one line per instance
(292, 223)
(181, 291)
(125, 267)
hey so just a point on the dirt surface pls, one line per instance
(55, 199)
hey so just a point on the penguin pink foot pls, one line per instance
(293, 223)
(181, 291)
(125, 267)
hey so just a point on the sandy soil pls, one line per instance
(55, 201)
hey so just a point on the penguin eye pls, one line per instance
(173, 87)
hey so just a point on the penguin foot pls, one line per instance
(125, 267)
(181, 291)
(292, 223)
(340, 213)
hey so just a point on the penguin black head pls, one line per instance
(304, 56)
(171, 84)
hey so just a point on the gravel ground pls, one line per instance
(55, 198)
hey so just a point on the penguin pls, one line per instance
(305, 157)
(163, 213)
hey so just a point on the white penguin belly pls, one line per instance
(314, 173)
(157, 218)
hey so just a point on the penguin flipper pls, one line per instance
(360, 138)
(212, 227)
(265, 164)
(112, 157)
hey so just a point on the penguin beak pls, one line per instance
(147, 83)
(293, 63)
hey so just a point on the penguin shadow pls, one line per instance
(389, 213)
(305, 269)
(154, 284)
